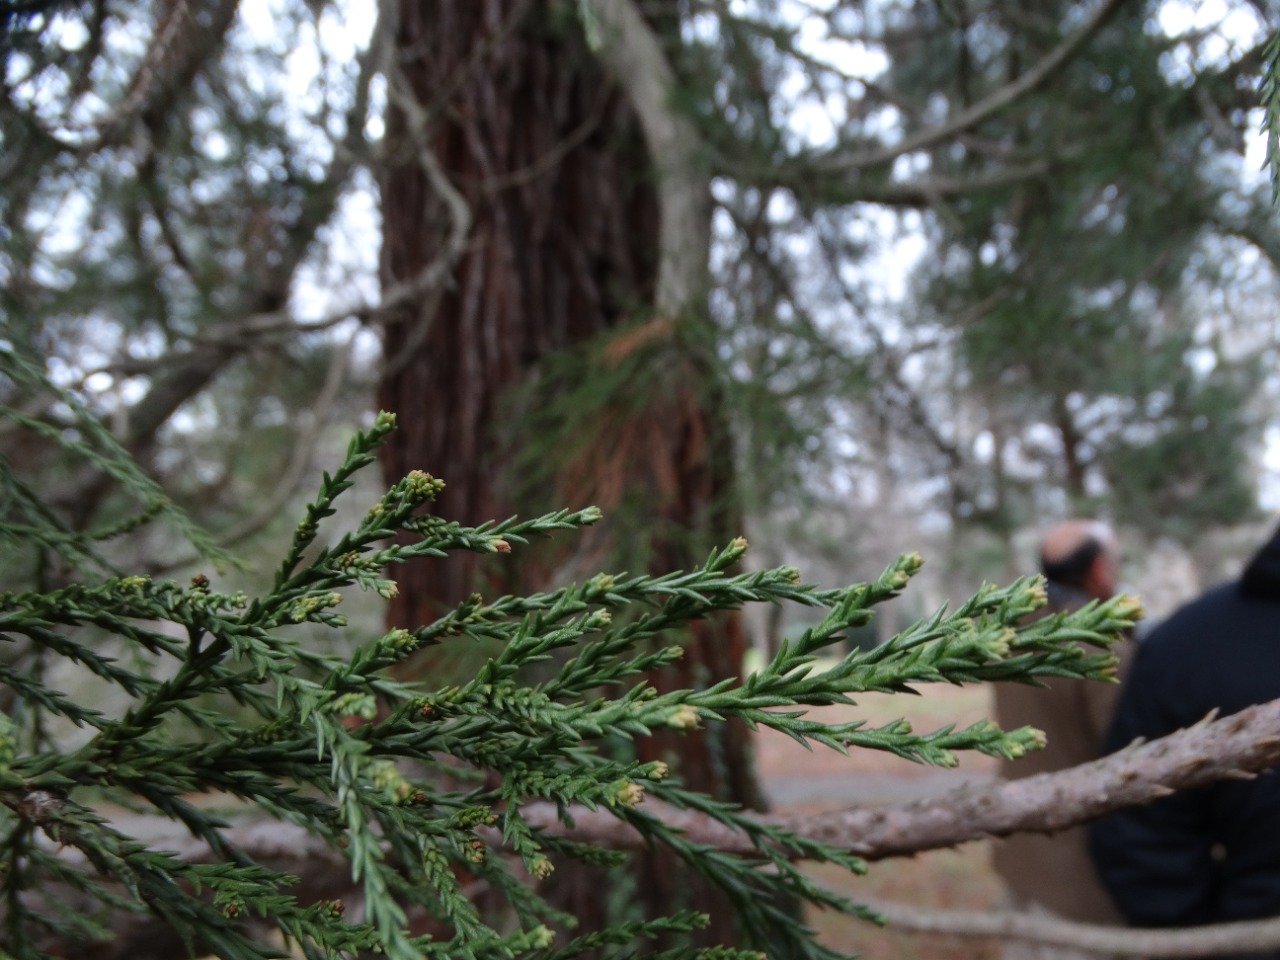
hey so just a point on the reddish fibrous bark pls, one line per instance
(569, 238)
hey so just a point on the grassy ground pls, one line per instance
(946, 878)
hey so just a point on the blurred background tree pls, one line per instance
(857, 277)
(553, 335)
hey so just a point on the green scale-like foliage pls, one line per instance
(421, 789)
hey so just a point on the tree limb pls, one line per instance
(186, 36)
(1231, 748)
(1240, 937)
(631, 52)
(1235, 747)
(980, 111)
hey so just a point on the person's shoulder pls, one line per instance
(1186, 624)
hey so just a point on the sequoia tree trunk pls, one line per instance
(562, 253)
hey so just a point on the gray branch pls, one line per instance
(1235, 747)
(1241, 937)
(634, 56)
(987, 107)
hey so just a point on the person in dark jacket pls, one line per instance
(1209, 855)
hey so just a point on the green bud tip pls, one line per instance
(627, 793)
(998, 647)
(384, 422)
(1128, 607)
(399, 639)
(422, 485)
(1038, 593)
(541, 868)
(1109, 670)
(897, 579)
(540, 937)
(684, 717)
(330, 908)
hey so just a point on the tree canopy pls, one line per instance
(1013, 261)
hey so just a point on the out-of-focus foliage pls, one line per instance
(999, 263)
(170, 177)
(1079, 179)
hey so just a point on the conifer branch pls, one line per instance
(230, 700)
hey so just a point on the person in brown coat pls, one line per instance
(1053, 874)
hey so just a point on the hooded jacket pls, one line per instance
(1208, 855)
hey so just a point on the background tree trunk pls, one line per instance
(548, 157)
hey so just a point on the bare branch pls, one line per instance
(634, 56)
(980, 111)
(1235, 747)
(930, 192)
(186, 36)
(1240, 937)
(1231, 748)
